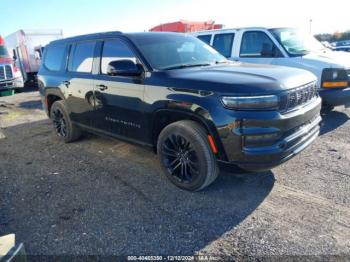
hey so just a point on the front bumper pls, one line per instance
(9, 84)
(288, 134)
(335, 97)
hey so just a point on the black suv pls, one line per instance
(177, 95)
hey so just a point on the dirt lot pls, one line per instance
(104, 197)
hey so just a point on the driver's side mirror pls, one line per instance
(124, 67)
(14, 55)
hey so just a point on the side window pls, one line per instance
(223, 43)
(114, 50)
(54, 57)
(205, 38)
(81, 57)
(258, 44)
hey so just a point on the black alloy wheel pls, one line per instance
(185, 155)
(180, 158)
(64, 128)
(59, 122)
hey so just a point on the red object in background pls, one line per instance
(184, 26)
(4, 60)
(2, 41)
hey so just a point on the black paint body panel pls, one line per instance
(132, 108)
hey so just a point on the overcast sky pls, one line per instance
(80, 17)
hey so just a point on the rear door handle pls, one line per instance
(102, 87)
(66, 83)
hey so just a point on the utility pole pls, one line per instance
(310, 21)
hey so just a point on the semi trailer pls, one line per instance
(26, 47)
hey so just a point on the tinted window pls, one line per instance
(54, 57)
(167, 51)
(205, 38)
(3, 51)
(223, 43)
(114, 50)
(81, 57)
(258, 44)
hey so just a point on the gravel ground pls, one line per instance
(104, 197)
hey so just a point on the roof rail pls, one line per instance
(88, 36)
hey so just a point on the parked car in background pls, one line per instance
(180, 97)
(26, 47)
(287, 47)
(342, 48)
(10, 76)
(341, 43)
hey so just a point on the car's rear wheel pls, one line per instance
(63, 126)
(186, 156)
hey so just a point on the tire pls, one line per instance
(63, 126)
(186, 157)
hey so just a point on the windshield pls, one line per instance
(297, 42)
(3, 52)
(165, 51)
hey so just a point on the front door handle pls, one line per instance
(66, 83)
(102, 87)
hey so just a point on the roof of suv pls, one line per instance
(232, 29)
(108, 35)
(88, 37)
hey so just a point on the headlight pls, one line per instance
(334, 78)
(268, 102)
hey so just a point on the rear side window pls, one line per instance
(223, 43)
(114, 50)
(81, 57)
(205, 38)
(54, 57)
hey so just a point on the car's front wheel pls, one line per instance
(63, 126)
(186, 156)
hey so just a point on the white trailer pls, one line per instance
(26, 46)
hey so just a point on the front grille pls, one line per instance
(2, 72)
(348, 71)
(298, 97)
(8, 72)
(5, 72)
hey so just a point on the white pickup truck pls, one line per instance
(287, 47)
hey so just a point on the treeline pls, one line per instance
(337, 36)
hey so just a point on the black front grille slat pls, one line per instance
(298, 97)
(8, 72)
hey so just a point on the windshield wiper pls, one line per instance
(185, 66)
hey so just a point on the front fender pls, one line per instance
(180, 110)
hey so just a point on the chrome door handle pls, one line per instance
(102, 87)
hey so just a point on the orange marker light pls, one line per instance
(212, 144)
(46, 103)
(335, 84)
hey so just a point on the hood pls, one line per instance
(328, 59)
(238, 77)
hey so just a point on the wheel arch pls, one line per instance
(164, 117)
(51, 96)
